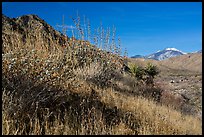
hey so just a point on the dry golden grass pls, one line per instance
(155, 119)
(47, 92)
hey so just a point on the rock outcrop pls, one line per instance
(29, 29)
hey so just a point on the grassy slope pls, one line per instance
(48, 93)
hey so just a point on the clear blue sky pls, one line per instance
(144, 27)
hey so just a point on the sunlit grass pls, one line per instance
(81, 91)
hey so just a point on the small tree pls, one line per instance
(137, 71)
(151, 72)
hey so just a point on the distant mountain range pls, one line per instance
(164, 54)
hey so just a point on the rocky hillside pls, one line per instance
(29, 29)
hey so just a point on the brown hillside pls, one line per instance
(53, 85)
(29, 29)
(192, 62)
(189, 62)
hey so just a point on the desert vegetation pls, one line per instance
(81, 87)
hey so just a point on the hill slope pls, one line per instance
(29, 29)
(191, 62)
(182, 75)
(46, 90)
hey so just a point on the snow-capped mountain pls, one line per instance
(163, 54)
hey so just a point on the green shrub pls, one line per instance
(146, 74)
(151, 71)
(136, 71)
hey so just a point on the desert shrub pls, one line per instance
(145, 77)
(151, 71)
(146, 74)
(137, 71)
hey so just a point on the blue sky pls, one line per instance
(143, 27)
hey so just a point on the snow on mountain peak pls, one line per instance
(174, 49)
(158, 51)
(163, 54)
